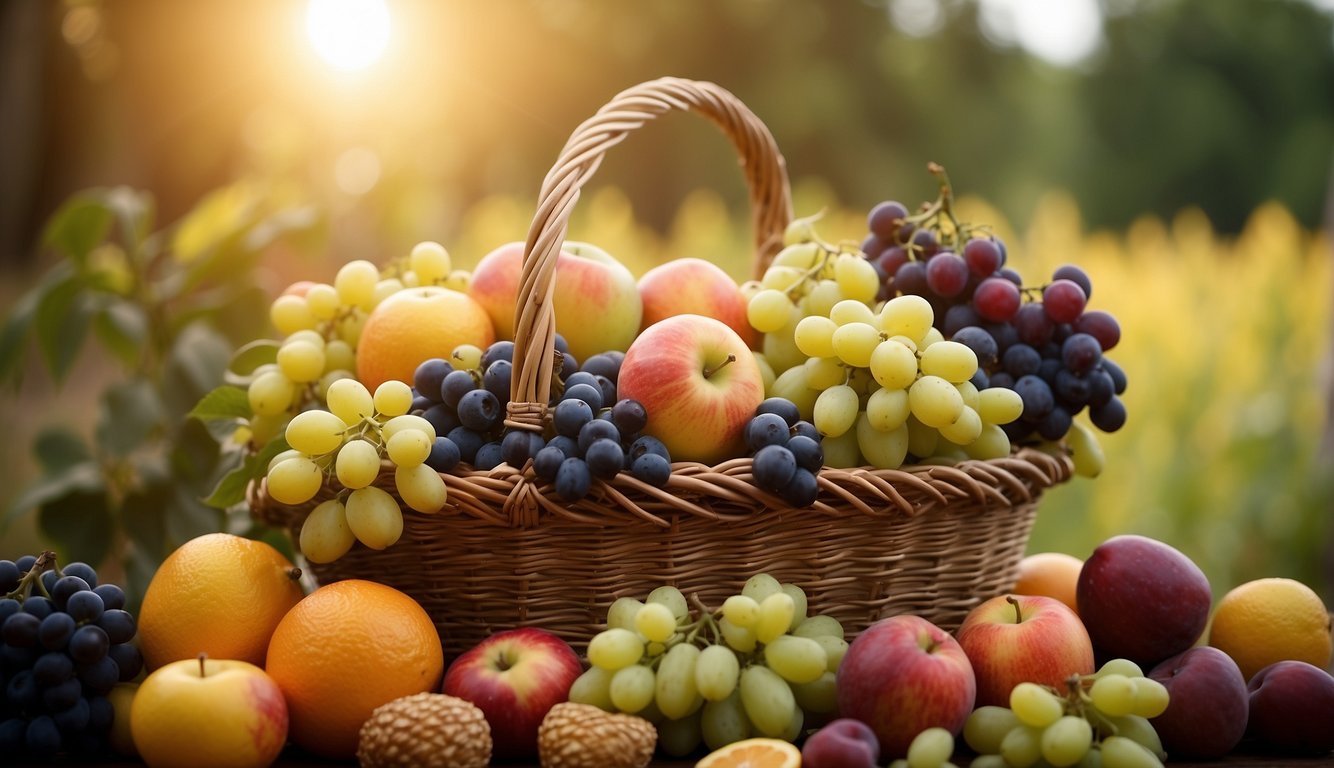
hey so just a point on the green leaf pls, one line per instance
(195, 366)
(134, 211)
(79, 226)
(232, 487)
(122, 327)
(14, 334)
(249, 357)
(84, 478)
(143, 514)
(59, 448)
(130, 414)
(272, 227)
(225, 403)
(80, 524)
(219, 216)
(61, 324)
(188, 517)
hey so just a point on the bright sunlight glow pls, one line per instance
(349, 34)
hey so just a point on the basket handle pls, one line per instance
(761, 162)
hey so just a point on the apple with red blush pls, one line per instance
(515, 677)
(1011, 639)
(842, 743)
(1206, 707)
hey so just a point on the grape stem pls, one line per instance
(705, 619)
(33, 578)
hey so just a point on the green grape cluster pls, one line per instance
(350, 441)
(1099, 720)
(878, 379)
(755, 666)
(321, 326)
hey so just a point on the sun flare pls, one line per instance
(350, 35)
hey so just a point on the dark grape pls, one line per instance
(1118, 376)
(128, 660)
(428, 379)
(802, 490)
(568, 446)
(1032, 325)
(608, 389)
(55, 630)
(520, 445)
(488, 457)
(479, 410)
(13, 658)
(42, 738)
(39, 606)
(66, 586)
(49, 579)
(9, 576)
(597, 430)
(886, 219)
(455, 385)
(773, 467)
(1075, 275)
(981, 342)
(605, 458)
(74, 718)
(630, 417)
(573, 479)
(1080, 353)
(547, 461)
(443, 418)
(1101, 326)
(1021, 360)
(1004, 334)
(420, 403)
(1063, 301)
(1002, 379)
(890, 260)
(89, 644)
(782, 407)
(118, 624)
(1109, 416)
(981, 379)
(569, 366)
(444, 455)
(53, 667)
(500, 350)
(983, 256)
(496, 379)
(603, 364)
(808, 453)
(1101, 387)
(25, 563)
(1071, 388)
(100, 713)
(648, 444)
(764, 430)
(85, 606)
(925, 244)
(589, 393)
(947, 274)
(958, 317)
(570, 416)
(807, 429)
(872, 247)
(997, 299)
(20, 630)
(62, 694)
(652, 469)
(11, 735)
(1055, 424)
(1037, 397)
(911, 278)
(22, 690)
(101, 675)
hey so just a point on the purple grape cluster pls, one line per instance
(1040, 341)
(66, 643)
(592, 434)
(785, 451)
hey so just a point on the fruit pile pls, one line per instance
(66, 645)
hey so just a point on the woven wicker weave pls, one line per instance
(931, 540)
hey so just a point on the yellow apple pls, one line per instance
(209, 713)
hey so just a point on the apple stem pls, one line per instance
(202, 656)
(708, 372)
(294, 574)
(1018, 616)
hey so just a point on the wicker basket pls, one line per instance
(931, 540)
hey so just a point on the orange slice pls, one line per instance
(753, 753)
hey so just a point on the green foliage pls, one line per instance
(137, 483)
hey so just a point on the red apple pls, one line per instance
(1292, 708)
(596, 301)
(902, 676)
(1142, 600)
(1024, 638)
(514, 677)
(699, 383)
(843, 743)
(694, 287)
(1207, 703)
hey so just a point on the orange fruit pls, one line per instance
(753, 753)
(217, 594)
(346, 649)
(1050, 574)
(1269, 620)
(414, 325)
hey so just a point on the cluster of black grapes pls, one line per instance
(592, 434)
(786, 454)
(66, 643)
(1039, 341)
